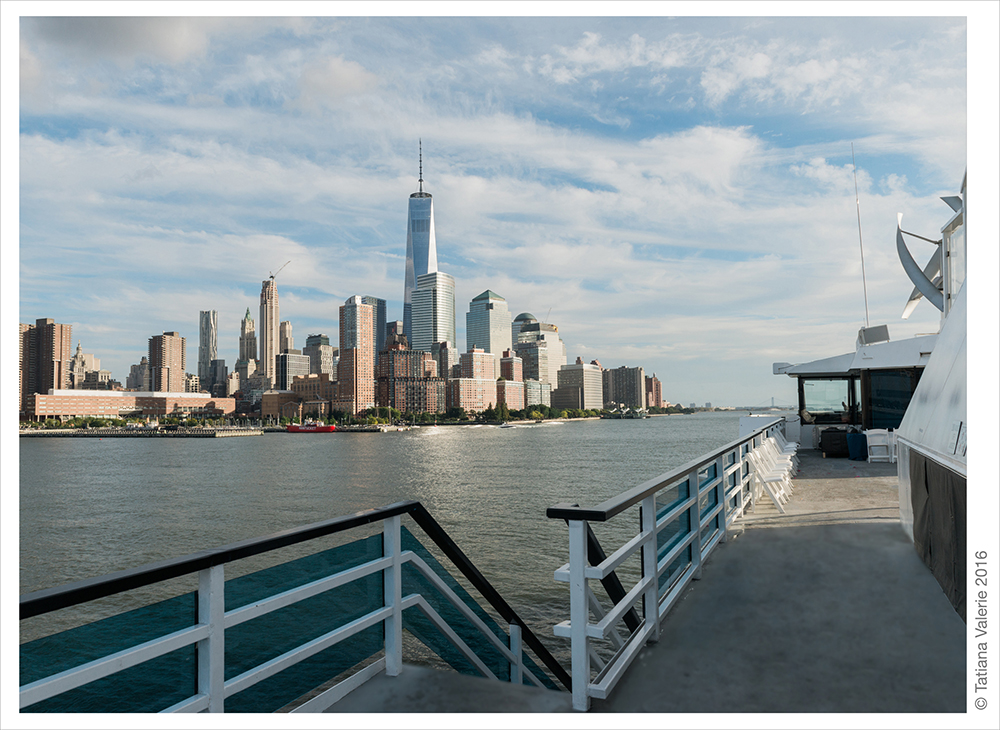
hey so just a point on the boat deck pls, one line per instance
(826, 608)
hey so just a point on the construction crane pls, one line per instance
(279, 270)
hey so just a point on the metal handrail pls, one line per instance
(77, 592)
(611, 507)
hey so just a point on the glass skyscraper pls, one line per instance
(433, 311)
(421, 247)
(487, 325)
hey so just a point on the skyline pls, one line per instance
(675, 194)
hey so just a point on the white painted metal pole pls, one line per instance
(695, 524)
(651, 602)
(212, 651)
(393, 586)
(516, 666)
(720, 490)
(579, 615)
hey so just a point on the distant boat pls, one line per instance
(311, 427)
(506, 425)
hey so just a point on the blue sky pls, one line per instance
(676, 191)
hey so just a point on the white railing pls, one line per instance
(209, 633)
(712, 492)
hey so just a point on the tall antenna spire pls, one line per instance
(857, 200)
(421, 143)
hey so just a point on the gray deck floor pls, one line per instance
(824, 609)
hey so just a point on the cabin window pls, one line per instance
(887, 393)
(829, 400)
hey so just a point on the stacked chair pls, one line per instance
(773, 463)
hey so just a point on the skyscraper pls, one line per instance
(167, 361)
(285, 340)
(356, 369)
(421, 246)
(320, 353)
(487, 325)
(268, 328)
(45, 356)
(433, 311)
(541, 348)
(248, 339)
(378, 307)
(208, 336)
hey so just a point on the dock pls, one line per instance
(826, 608)
(204, 433)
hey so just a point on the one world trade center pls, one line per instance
(421, 248)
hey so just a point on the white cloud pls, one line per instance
(328, 80)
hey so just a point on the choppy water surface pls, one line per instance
(90, 507)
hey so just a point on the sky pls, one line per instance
(675, 193)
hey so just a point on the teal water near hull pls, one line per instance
(90, 507)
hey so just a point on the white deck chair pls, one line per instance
(773, 481)
(787, 451)
(880, 446)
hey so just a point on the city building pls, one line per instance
(476, 389)
(421, 248)
(288, 365)
(248, 340)
(208, 343)
(167, 363)
(433, 311)
(138, 376)
(268, 328)
(542, 350)
(445, 354)
(378, 310)
(218, 376)
(519, 321)
(356, 368)
(580, 383)
(81, 364)
(192, 383)
(67, 404)
(44, 349)
(625, 387)
(320, 353)
(537, 393)
(285, 340)
(408, 381)
(488, 325)
(510, 387)
(654, 392)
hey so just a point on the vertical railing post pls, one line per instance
(579, 615)
(722, 487)
(651, 596)
(393, 590)
(212, 650)
(517, 665)
(696, 524)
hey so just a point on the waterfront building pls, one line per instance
(433, 311)
(541, 348)
(285, 340)
(488, 325)
(378, 311)
(477, 363)
(248, 339)
(579, 383)
(138, 376)
(275, 404)
(314, 387)
(511, 366)
(192, 383)
(356, 367)
(288, 365)
(408, 381)
(654, 392)
(44, 349)
(268, 328)
(167, 363)
(208, 341)
(445, 354)
(537, 393)
(476, 389)
(65, 404)
(510, 387)
(421, 248)
(320, 353)
(625, 387)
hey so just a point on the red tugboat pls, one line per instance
(311, 427)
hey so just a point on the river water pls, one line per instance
(93, 506)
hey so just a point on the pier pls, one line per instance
(202, 433)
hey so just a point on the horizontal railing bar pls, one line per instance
(598, 610)
(71, 594)
(606, 681)
(674, 593)
(64, 681)
(710, 515)
(670, 557)
(609, 508)
(337, 692)
(271, 667)
(195, 703)
(280, 600)
(710, 485)
(615, 614)
(676, 511)
(616, 558)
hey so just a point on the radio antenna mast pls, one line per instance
(857, 200)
